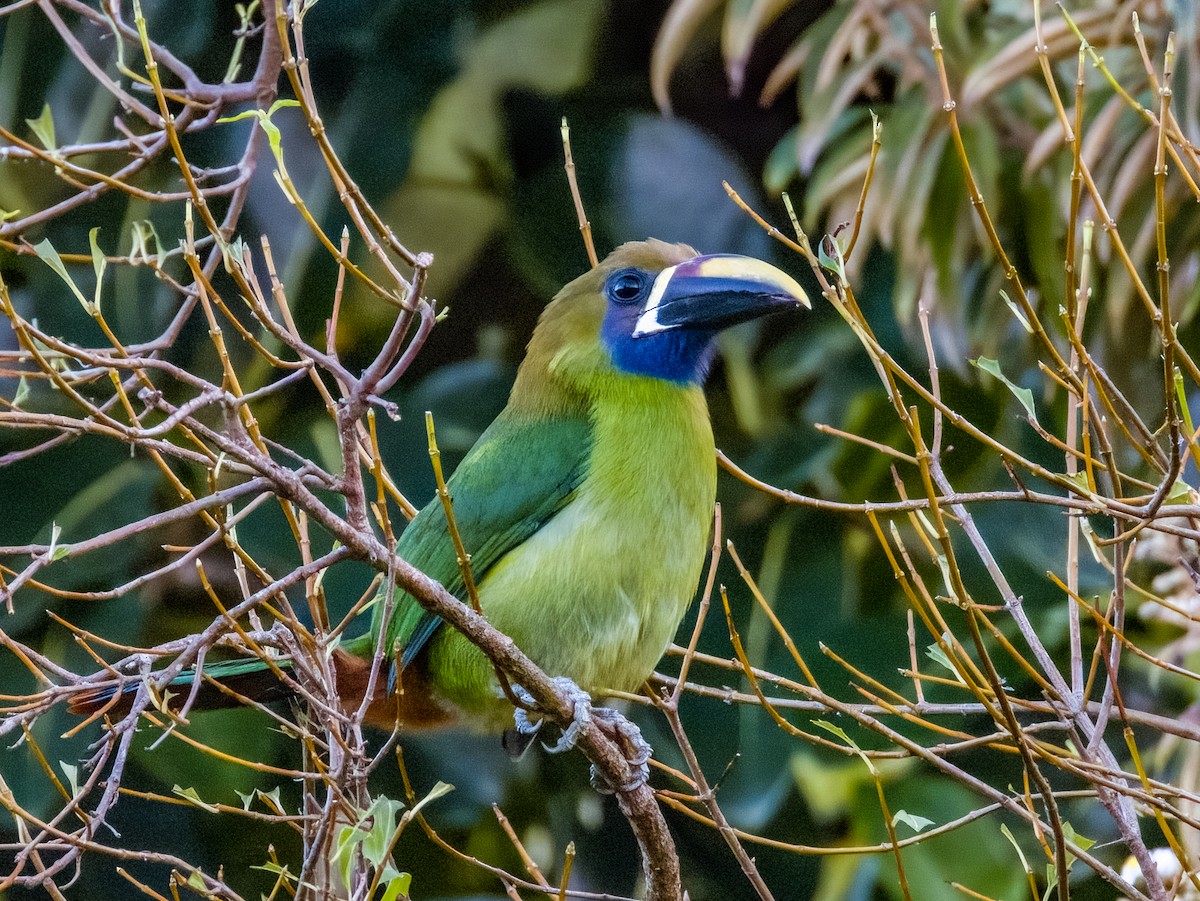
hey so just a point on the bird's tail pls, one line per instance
(224, 685)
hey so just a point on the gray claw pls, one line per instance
(636, 749)
(581, 715)
(525, 726)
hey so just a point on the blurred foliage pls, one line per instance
(857, 57)
(449, 116)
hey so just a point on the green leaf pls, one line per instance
(914, 822)
(43, 128)
(935, 653)
(190, 794)
(836, 730)
(1016, 311)
(276, 869)
(1180, 398)
(57, 551)
(1179, 493)
(382, 818)
(1021, 854)
(99, 263)
(274, 136)
(143, 232)
(71, 771)
(272, 798)
(1079, 480)
(396, 884)
(1082, 842)
(1024, 395)
(46, 252)
(23, 391)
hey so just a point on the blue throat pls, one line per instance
(682, 355)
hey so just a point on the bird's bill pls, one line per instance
(716, 291)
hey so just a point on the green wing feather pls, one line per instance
(518, 475)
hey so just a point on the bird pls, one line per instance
(586, 506)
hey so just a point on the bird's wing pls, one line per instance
(519, 473)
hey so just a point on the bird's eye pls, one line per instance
(626, 286)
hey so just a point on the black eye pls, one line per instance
(626, 286)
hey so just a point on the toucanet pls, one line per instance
(585, 507)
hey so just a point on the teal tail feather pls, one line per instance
(251, 679)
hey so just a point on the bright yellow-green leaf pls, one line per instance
(43, 128)
(1016, 311)
(1024, 395)
(143, 233)
(1021, 854)
(1181, 398)
(99, 263)
(911, 820)
(396, 884)
(1179, 493)
(46, 252)
(190, 794)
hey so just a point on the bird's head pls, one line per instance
(656, 309)
(664, 305)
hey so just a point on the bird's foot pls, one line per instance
(627, 735)
(516, 741)
(636, 749)
(526, 728)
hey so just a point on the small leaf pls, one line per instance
(45, 250)
(829, 254)
(1024, 395)
(43, 128)
(23, 391)
(914, 822)
(381, 819)
(274, 137)
(935, 653)
(1021, 854)
(1180, 398)
(247, 799)
(190, 794)
(1179, 493)
(1016, 311)
(397, 884)
(99, 263)
(836, 730)
(272, 798)
(1082, 842)
(196, 881)
(276, 869)
(143, 233)
(57, 551)
(1079, 480)
(71, 771)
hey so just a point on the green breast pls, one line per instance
(597, 593)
